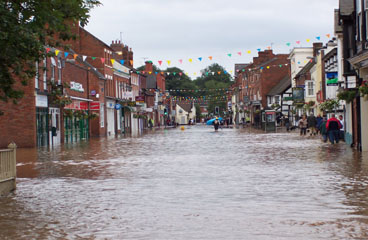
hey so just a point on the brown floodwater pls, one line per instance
(191, 184)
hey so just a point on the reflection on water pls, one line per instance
(192, 184)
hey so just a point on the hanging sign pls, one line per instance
(117, 106)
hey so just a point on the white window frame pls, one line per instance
(307, 89)
(59, 71)
(37, 76)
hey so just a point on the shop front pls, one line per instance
(76, 123)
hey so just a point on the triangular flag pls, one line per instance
(297, 42)
(219, 72)
(249, 51)
(149, 73)
(200, 59)
(103, 60)
(156, 73)
(75, 56)
(122, 62)
(180, 74)
(168, 62)
(112, 61)
(308, 40)
(328, 35)
(160, 62)
(280, 65)
(229, 54)
(210, 57)
(318, 38)
(93, 58)
(231, 72)
(181, 61)
(190, 60)
(174, 73)
(258, 49)
(57, 52)
(47, 50)
(84, 58)
(239, 53)
(269, 48)
(288, 44)
(213, 73)
(66, 54)
(131, 62)
(268, 67)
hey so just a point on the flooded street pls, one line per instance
(192, 184)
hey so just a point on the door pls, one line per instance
(54, 126)
(42, 120)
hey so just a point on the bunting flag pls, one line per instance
(328, 35)
(93, 58)
(103, 60)
(200, 59)
(75, 56)
(288, 44)
(48, 50)
(160, 62)
(131, 62)
(168, 62)
(308, 40)
(180, 74)
(66, 54)
(297, 42)
(57, 52)
(318, 38)
(239, 53)
(210, 57)
(249, 51)
(112, 61)
(258, 49)
(229, 54)
(181, 61)
(190, 60)
(122, 62)
(269, 48)
(84, 58)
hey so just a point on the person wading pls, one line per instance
(216, 124)
(323, 130)
(333, 126)
(303, 124)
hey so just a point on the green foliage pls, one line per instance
(329, 105)
(347, 95)
(175, 81)
(26, 27)
(207, 76)
(363, 89)
(198, 110)
(57, 97)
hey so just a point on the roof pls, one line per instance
(306, 68)
(240, 66)
(186, 106)
(330, 54)
(346, 7)
(281, 87)
(88, 65)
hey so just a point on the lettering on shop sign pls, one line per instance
(76, 87)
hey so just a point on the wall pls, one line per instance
(364, 127)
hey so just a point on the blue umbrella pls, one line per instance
(210, 122)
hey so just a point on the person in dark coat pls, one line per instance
(312, 123)
(333, 126)
(323, 129)
(319, 121)
(216, 124)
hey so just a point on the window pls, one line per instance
(36, 77)
(277, 100)
(309, 88)
(359, 19)
(59, 71)
(44, 74)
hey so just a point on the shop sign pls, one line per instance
(139, 99)
(76, 87)
(41, 101)
(93, 93)
(351, 81)
(149, 110)
(77, 105)
(94, 106)
(298, 95)
(131, 104)
(117, 106)
(332, 79)
(110, 105)
(127, 95)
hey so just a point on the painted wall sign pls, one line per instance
(76, 87)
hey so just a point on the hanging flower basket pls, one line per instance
(347, 95)
(363, 89)
(329, 105)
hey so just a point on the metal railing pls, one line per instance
(8, 163)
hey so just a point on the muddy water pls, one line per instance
(192, 184)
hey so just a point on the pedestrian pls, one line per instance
(312, 123)
(150, 123)
(303, 124)
(342, 129)
(216, 124)
(319, 121)
(333, 126)
(323, 130)
(287, 123)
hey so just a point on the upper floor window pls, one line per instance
(309, 88)
(36, 77)
(359, 19)
(44, 74)
(59, 71)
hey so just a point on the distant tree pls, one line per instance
(26, 27)
(175, 81)
(198, 111)
(211, 73)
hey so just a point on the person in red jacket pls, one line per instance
(333, 126)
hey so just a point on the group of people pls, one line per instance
(331, 128)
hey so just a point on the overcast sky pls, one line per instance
(183, 29)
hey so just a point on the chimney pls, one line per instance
(316, 47)
(149, 66)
